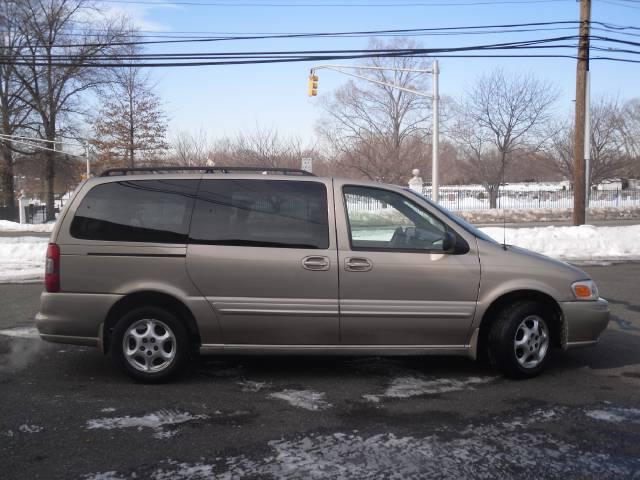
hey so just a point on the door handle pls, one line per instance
(357, 264)
(316, 263)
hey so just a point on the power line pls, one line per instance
(329, 5)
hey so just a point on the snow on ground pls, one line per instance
(154, 421)
(615, 415)
(503, 446)
(405, 387)
(7, 226)
(22, 259)
(307, 399)
(585, 243)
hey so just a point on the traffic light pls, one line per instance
(313, 85)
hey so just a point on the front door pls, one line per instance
(263, 252)
(398, 285)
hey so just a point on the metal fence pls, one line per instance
(462, 199)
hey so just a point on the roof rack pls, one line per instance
(131, 171)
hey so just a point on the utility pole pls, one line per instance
(435, 191)
(579, 171)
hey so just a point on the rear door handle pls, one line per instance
(316, 263)
(357, 264)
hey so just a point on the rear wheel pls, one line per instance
(150, 344)
(520, 340)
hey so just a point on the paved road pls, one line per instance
(67, 413)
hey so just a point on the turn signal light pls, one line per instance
(585, 290)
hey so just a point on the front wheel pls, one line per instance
(520, 340)
(150, 344)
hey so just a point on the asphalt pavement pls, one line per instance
(68, 413)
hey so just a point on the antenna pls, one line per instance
(504, 214)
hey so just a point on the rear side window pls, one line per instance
(261, 213)
(155, 211)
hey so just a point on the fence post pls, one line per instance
(21, 204)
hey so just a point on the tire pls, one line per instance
(150, 344)
(520, 342)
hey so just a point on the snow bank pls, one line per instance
(22, 259)
(585, 243)
(7, 226)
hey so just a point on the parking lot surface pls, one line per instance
(67, 412)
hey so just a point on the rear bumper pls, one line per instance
(584, 322)
(73, 318)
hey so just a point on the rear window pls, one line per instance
(261, 213)
(154, 211)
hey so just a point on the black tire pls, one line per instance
(162, 369)
(523, 361)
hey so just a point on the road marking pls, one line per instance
(21, 332)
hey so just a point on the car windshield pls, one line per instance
(457, 220)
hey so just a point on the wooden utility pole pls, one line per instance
(579, 175)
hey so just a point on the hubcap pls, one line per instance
(149, 345)
(531, 342)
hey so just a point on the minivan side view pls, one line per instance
(154, 265)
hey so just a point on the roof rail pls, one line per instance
(131, 171)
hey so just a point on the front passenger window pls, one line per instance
(385, 220)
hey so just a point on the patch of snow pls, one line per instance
(615, 415)
(583, 243)
(21, 332)
(307, 399)
(112, 475)
(491, 450)
(8, 433)
(22, 259)
(29, 428)
(7, 226)
(108, 410)
(252, 387)
(405, 387)
(154, 421)
(180, 471)
(165, 434)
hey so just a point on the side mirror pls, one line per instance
(449, 241)
(452, 243)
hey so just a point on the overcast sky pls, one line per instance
(223, 100)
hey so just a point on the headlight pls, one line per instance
(585, 290)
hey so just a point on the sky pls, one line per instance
(224, 100)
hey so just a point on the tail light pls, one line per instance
(52, 269)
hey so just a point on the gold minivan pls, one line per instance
(153, 265)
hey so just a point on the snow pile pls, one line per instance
(585, 243)
(7, 226)
(22, 259)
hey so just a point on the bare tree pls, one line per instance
(610, 152)
(58, 48)
(191, 149)
(631, 136)
(14, 113)
(377, 131)
(500, 116)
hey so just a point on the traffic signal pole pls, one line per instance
(435, 190)
(581, 140)
(435, 98)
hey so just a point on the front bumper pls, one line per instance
(584, 322)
